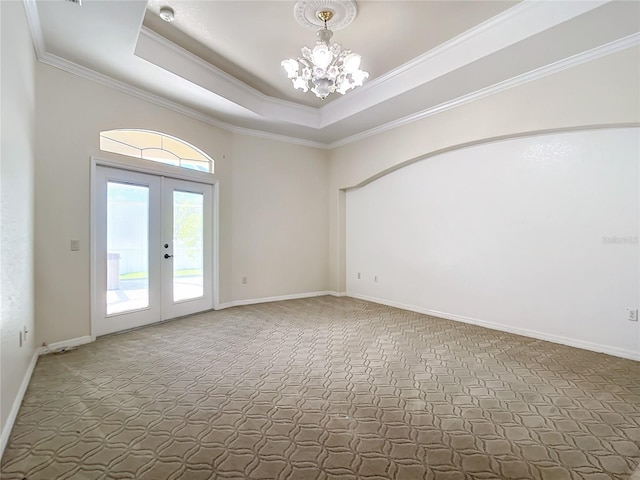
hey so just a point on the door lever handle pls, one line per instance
(166, 255)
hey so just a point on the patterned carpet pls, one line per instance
(326, 388)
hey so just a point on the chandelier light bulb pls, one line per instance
(291, 67)
(327, 68)
(321, 56)
(352, 63)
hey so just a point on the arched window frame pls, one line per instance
(157, 147)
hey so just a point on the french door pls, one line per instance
(153, 249)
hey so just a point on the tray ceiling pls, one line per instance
(220, 60)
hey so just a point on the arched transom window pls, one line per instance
(157, 147)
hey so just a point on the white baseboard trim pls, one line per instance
(73, 342)
(337, 294)
(571, 342)
(253, 301)
(13, 414)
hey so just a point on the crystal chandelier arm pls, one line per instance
(291, 67)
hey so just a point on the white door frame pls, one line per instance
(151, 168)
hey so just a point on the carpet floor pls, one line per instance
(326, 388)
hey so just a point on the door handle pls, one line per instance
(166, 255)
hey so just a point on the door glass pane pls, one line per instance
(188, 240)
(127, 247)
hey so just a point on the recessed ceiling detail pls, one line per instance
(306, 13)
(433, 56)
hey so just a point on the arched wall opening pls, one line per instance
(522, 234)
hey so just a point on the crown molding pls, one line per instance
(525, 19)
(87, 73)
(169, 56)
(564, 64)
(275, 107)
(521, 21)
(279, 138)
(33, 19)
(75, 69)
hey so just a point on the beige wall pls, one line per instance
(16, 187)
(270, 193)
(280, 221)
(517, 235)
(282, 215)
(601, 92)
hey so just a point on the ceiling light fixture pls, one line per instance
(326, 68)
(167, 14)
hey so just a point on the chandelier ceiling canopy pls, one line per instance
(327, 67)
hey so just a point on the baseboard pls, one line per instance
(8, 426)
(337, 294)
(73, 342)
(13, 414)
(571, 342)
(253, 301)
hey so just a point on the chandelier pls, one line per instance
(326, 68)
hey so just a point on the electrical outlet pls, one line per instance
(359, 276)
(75, 245)
(632, 314)
(244, 280)
(375, 278)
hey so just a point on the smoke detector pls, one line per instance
(167, 14)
